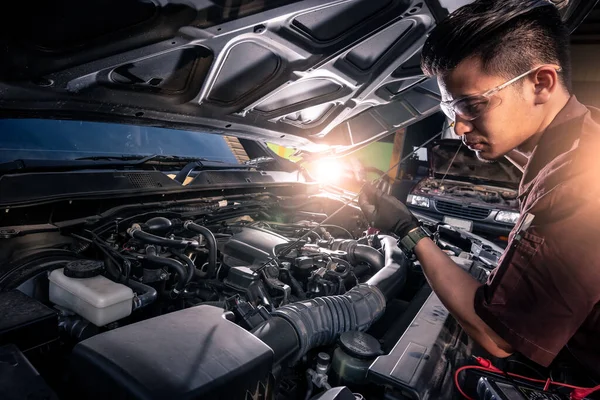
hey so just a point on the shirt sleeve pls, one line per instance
(548, 281)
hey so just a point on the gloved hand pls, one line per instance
(386, 212)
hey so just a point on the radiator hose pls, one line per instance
(145, 295)
(156, 261)
(137, 232)
(211, 242)
(296, 328)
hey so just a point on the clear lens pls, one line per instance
(418, 201)
(471, 107)
(507, 217)
(448, 111)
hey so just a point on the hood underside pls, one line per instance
(305, 74)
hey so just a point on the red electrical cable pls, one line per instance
(582, 393)
(579, 393)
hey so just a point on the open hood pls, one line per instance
(312, 74)
(448, 158)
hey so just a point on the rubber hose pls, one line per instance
(319, 321)
(212, 245)
(294, 284)
(149, 238)
(360, 253)
(112, 270)
(190, 264)
(280, 336)
(369, 255)
(160, 262)
(391, 278)
(145, 295)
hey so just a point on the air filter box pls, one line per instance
(189, 354)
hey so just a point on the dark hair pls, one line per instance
(508, 36)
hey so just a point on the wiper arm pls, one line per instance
(23, 165)
(138, 159)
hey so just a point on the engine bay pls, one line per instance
(221, 300)
(465, 191)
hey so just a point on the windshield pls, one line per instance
(67, 140)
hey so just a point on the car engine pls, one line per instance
(468, 191)
(226, 300)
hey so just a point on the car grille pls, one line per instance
(458, 210)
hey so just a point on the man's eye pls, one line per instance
(473, 108)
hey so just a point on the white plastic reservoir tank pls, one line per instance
(97, 299)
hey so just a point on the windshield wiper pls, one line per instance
(139, 159)
(30, 165)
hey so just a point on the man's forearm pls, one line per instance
(456, 289)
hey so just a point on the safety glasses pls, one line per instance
(472, 107)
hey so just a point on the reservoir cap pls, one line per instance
(83, 268)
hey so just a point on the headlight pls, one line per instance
(418, 201)
(507, 216)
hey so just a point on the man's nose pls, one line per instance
(462, 127)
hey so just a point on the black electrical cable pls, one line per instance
(292, 245)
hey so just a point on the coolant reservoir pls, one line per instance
(95, 298)
(353, 357)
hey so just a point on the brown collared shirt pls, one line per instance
(544, 295)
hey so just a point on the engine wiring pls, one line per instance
(292, 245)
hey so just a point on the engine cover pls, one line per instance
(189, 354)
(250, 246)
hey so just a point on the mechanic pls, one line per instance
(503, 68)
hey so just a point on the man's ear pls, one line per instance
(546, 83)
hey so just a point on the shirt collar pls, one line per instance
(558, 138)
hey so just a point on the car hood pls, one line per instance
(314, 74)
(449, 158)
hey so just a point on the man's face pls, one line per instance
(502, 128)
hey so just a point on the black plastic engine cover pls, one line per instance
(190, 354)
(250, 246)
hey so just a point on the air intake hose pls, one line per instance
(318, 322)
(391, 278)
(360, 253)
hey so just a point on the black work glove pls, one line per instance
(386, 212)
